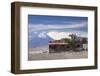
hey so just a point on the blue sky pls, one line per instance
(36, 21)
(39, 25)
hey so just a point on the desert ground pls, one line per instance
(42, 53)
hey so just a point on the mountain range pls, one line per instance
(37, 41)
(42, 39)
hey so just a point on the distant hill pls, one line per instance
(39, 41)
(42, 38)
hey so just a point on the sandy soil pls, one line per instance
(43, 54)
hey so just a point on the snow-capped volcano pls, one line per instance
(39, 39)
(59, 35)
(42, 38)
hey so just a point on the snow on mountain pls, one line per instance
(82, 35)
(59, 35)
(42, 38)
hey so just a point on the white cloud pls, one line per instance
(37, 27)
(42, 35)
(35, 32)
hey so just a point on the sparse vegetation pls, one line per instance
(71, 41)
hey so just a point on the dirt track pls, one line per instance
(62, 55)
